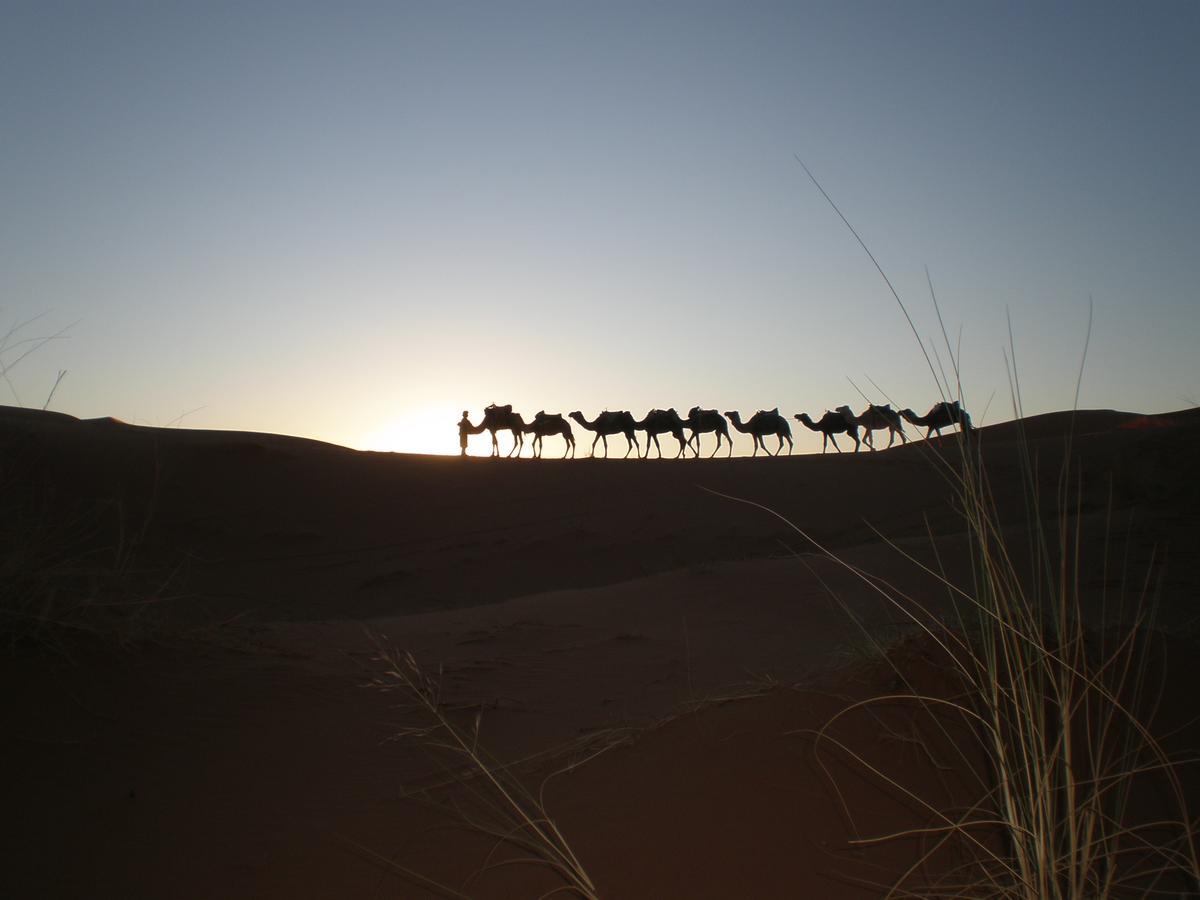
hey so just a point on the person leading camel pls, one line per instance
(464, 428)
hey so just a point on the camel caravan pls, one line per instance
(764, 424)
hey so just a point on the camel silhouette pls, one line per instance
(546, 424)
(662, 421)
(608, 423)
(941, 415)
(830, 424)
(762, 424)
(502, 418)
(703, 421)
(874, 418)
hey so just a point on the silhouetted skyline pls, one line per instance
(353, 222)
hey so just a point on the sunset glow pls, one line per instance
(423, 430)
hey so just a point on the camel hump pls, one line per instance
(507, 408)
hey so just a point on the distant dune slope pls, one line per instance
(279, 527)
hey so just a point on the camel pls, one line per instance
(763, 423)
(545, 424)
(874, 418)
(830, 424)
(702, 421)
(502, 418)
(662, 421)
(941, 415)
(610, 423)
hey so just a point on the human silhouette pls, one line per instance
(464, 428)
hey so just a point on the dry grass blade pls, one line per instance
(503, 808)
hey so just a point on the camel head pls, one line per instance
(909, 416)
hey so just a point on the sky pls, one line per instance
(351, 221)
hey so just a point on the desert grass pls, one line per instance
(494, 800)
(1074, 795)
(17, 345)
(75, 567)
(67, 571)
(1055, 686)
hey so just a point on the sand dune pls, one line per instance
(235, 753)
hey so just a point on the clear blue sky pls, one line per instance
(351, 221)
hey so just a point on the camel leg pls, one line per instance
(829, 439)
(853, 432)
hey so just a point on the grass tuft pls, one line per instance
(1076, 796)
(501, 807)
